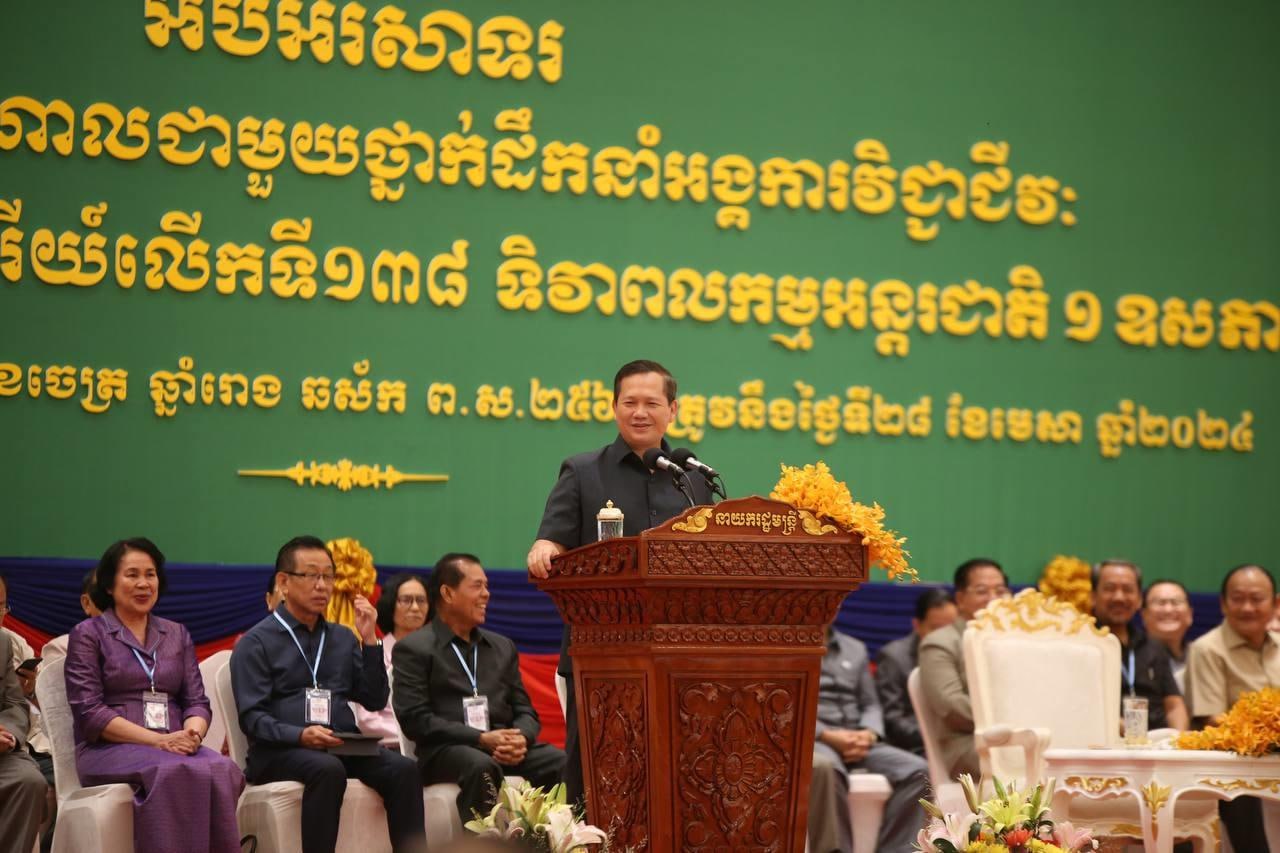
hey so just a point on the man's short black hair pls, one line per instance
(931, 598)
(447, 572)
(1155, 583)
(285, 561)
(86, 583)
(1095, 573)
(105, 575)
(961, 579)
(271, 583)
(1241, 568)
(635, 368)
(387, 600)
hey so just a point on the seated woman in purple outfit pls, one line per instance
(140, 711)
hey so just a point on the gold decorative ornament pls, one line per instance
(1272, 785)
(1156, 796)
(1096, 784)
(695, 523)
(354, 574)
(813, 526)
(1068, 579)
(344, 475)
(1031, 611)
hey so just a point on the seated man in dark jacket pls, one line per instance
(459, 696)
(896, 659)
(293, 674)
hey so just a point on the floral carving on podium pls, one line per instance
(746, 606)
(620, 801)
(738, 744)
(779, 559)
(612, 557)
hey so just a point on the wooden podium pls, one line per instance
(696, 649)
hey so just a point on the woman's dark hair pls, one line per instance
(387, 601)
(86, 584)
(105, 574)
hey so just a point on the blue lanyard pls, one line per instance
(315, 669)
(1129, 673)
(475, 664)
(149, 670)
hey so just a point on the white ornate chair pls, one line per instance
(1038, 669)
(868, 793)
(439, 805)
(273, 812)
(98, 818)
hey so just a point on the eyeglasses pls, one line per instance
(1167, 602)
(988, 590)
(325, 579)
(410, 600)
(1246, 600)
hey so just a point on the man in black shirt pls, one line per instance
(1144, 663)
(644, 404)
(460, 698)
(293, 674)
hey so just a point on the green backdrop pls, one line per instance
(1159, 115)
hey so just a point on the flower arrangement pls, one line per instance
(354, 575)
(1010, 822)
(1068, 579)
(815, 489)
(542, 819)
(1251, 727)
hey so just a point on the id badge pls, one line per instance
(475, 710)
(318, 706)
(155, 710)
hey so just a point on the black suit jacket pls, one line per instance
(430, 684)
(894, 663)
(611, 473)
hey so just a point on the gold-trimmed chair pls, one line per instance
(1040, 673)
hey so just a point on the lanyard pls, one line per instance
(472, 670)
(315, 669)
(1129, 673)
(149, 670)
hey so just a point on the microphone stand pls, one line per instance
(682, 482)
(717, 486)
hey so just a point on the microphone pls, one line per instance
(684, 458)
(654, 459)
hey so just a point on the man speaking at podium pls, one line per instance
(644, 404)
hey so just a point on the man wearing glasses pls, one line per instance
(978, 582)
(293, 674)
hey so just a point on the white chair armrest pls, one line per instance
(1034, 742)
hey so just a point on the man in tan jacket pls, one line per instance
(978, 582)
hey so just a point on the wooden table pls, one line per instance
(1156, 778)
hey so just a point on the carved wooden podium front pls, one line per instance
(696, 650)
